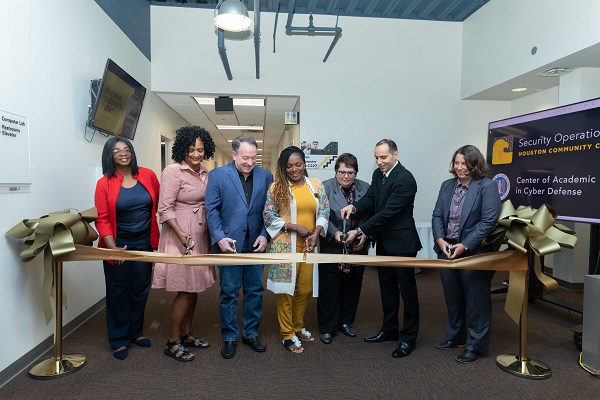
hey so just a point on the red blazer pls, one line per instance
(105, 200)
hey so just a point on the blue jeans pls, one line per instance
(232, 278)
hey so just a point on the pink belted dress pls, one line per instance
(182, 197)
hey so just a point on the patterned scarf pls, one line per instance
(349, 195)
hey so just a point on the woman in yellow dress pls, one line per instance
(296, 214)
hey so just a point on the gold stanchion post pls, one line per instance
(521, 365)
(60, 364)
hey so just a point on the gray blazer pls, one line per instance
(337, 201)
(479, 213)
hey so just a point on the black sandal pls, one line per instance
(190, 340)
(178, 351)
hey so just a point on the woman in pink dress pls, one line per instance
(184, 231)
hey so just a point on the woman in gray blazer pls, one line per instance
(465, 213)
(340, 284)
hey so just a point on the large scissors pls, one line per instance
(189, 246)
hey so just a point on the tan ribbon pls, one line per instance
(54, 234)
(65, 233)
(509, 260)
(527, 229)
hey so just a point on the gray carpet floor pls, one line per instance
(346, 369)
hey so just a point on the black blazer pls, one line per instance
(479, 216)
(392, 204)
(337, 201)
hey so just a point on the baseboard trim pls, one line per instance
(31, 356)
(575, 287)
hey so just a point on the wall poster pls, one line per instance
(15, 174)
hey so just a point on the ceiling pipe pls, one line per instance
(257, 36)
(223, 53)
(311, 29)
(275, 26)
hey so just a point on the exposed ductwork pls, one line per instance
(223, 50)
(310, 30)
(257, 36)
(223, 53)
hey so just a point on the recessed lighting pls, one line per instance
(519, 89)
(236, 102)
(241, 127)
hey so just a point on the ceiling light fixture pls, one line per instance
(240, 127)
(232, 16)
(519, 89)
(236, 102)
(556, 71)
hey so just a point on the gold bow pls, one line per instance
(55, 234)
(527, 229)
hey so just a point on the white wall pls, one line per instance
(498, 38)
(385, 78)
(50, 52)
(535, 102)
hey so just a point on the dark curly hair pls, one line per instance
(186, 136)
(474, 159)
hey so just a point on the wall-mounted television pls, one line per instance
(551, 157)
(116, 102)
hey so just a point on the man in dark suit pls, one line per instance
(391, 198)
(235, 198)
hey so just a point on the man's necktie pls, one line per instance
(383, 180)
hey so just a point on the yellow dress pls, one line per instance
(306, 211)
(291, 309)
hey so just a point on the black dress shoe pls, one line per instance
(448, 344)
(326, 338)
(382, 337)
(404, 349)
(228, 350)
(467, 356)
(347, 330)
(255, 344)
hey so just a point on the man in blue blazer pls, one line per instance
(235, 199)
(465, 213)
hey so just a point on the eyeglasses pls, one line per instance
(347, 173)
(118, 151)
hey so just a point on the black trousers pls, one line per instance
(393, 283)
(127, 288)
(339, 293)
(469, 303)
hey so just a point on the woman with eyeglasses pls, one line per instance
(184, 231)
(126, 199)
(296, 213)
(340, 283)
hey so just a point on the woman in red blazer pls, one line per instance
(126, 199)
